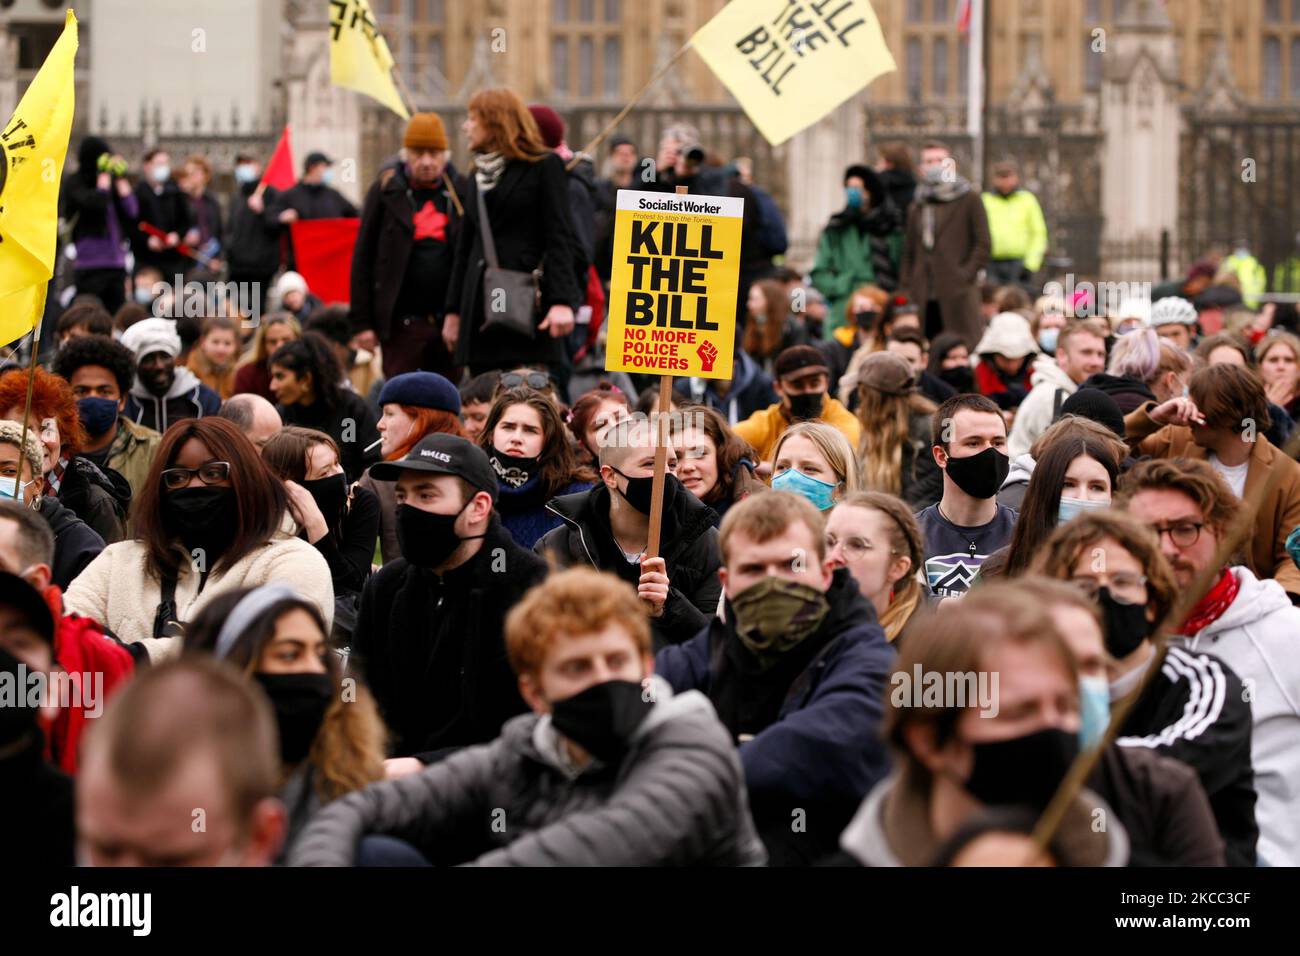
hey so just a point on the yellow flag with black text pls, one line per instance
(33, 144)
(359, 57)
(790, 62)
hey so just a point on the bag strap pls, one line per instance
(485, 230)
(164, 619)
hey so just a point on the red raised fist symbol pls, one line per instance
(708, 353)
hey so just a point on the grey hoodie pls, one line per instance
(677, 798)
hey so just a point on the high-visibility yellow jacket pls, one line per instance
(1017, 227)
(1286, 275)
(1250, 273)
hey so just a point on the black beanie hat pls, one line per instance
(1094, 404)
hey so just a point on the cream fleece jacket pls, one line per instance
(116, 590)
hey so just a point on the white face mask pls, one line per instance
(161, 174)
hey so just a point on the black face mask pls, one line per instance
(17, 720)
(513, 471)
(331, 497)
(1126, 624)
(1024, 769)
(865, 320)
(980, 476)
(638, 493)
(205, 519)
(806, 406)
(961, 378)
(602, 718)
(300, 702)
(427, 539)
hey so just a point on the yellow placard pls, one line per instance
(672, 291)
(789, 63)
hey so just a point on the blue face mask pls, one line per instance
(855, 197)
(7, 490)
(1094, 709)
(818, 492)
(97, 415)
(143, 295)
(1047, 340)
(328, 177)
(1069, 507)
(245, 173)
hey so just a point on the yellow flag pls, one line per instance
(789, 63)
(359, 57)
(33, 145)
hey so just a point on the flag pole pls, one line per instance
(27, 407)
(976, 95)
(609, 127)
(661, 455)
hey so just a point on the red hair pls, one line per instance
(427, 422)
(51, 398)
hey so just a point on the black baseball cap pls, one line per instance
(21, 596)
(443, 454)
(317, 157)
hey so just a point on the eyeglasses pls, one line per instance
(1121, 585)
(538, 380)
(210, 473)
(853, 548)
(1184, 534)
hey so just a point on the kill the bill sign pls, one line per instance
(672, 290)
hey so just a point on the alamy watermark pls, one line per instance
(197, 300)
(63, 689)
(956, 689)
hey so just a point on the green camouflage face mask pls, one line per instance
(775, 615)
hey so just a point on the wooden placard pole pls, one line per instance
(661, 455)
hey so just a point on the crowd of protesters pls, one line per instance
(384, 584)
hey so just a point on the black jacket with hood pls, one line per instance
(433, 649)
(75, 543)
(688, 545)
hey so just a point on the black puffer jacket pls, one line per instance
(432, 647)
(689, 547)
(101, 497)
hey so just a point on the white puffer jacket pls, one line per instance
(1258, 636)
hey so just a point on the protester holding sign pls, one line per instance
(608, 526)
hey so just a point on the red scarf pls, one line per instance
(1211, 607)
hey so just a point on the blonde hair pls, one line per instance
(834, 447)
(257, 353)
(905, 540)
(886, 427)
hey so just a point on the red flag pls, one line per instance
(322, 250)
(279, 172)
(963, 17)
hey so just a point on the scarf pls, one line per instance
(1211, 607)
(928, 194)
(488, 169)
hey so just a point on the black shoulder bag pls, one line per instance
(511, 300)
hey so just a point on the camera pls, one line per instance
(694, 154)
